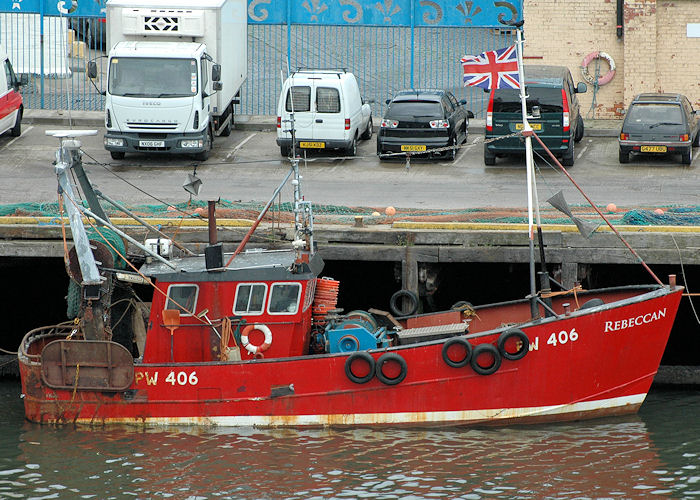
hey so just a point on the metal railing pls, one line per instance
(385, 59)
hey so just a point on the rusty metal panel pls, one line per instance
(97, 365)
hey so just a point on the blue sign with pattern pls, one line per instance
(477, 13)
(385, 12)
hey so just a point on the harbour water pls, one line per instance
(655, 453)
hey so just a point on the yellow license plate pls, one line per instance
(413, 147)
(653, 149)
(535, 126)
(312, 145)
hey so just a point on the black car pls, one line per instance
(421, 122)
(660, 124)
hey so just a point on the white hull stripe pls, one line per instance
(464, 416)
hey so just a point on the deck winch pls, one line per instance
(356, 331)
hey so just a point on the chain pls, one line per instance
(408, 154)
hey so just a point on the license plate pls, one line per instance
(535, 126)
(152, 144)
(312, 145)
(413, 147)
(653, 149)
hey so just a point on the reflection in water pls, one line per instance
(622, 457)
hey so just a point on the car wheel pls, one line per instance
(352, 148)
(117, 155)
(451, 154)
(367, 134)
(696, 142)
(687, 156)
(489, 157)
(624, 156)
(284, 150)
(16, 131)
(568, 159)
(579, 130)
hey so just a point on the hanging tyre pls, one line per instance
(513, 338)
(461, 345)
(487, 351)
(396, 301)
(391, 358)
(359, 357)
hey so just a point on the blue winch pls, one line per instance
(355, 331)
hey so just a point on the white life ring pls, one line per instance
(254, 349)
(602, 80)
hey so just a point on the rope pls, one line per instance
(75, 386)
(685, 281)
(225, 337)
(562, 292)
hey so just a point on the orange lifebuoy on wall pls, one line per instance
(602, 80)
(255, 349)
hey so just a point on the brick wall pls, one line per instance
(653, 55)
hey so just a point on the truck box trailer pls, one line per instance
(175, 70)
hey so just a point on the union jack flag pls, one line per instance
(495, 69)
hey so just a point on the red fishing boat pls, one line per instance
(255, 338)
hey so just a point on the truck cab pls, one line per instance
(158, 98)
(174, 73)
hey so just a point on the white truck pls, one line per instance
(174, 72)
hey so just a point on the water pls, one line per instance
(654, 453)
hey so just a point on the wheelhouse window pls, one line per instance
(250, 298)
(284, 298)
(182, 298)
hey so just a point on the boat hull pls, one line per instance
(590, 363)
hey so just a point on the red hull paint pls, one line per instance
(592, 363)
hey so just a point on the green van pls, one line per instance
(553, 113)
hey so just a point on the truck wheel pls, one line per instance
(117, 155)
(204, 155)
(226, 131)
(352, 148)
(284, 151)
(568, 159)
(17, 129)
(367, 134)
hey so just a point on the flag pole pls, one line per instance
(531, 194)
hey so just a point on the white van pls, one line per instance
(329, 112)
(11, 107)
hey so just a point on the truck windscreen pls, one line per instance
(152, 77)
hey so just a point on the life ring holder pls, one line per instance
(256, 349)
(602, 80)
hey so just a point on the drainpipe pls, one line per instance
(620, 17)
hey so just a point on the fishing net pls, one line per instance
(340, 214)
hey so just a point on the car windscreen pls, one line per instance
(508, 100)
(651, 114)
(415, 109)
(152, 77)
